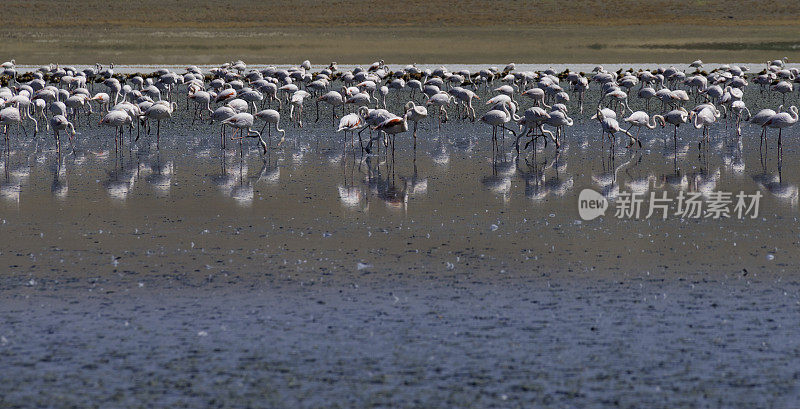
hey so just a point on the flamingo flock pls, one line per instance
(384, 100)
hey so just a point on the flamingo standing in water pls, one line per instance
(350, 123)
(440, 100)
(784, 87)
(704, 118)
(782, 120)
(559, 119)
(415, 113)
(334, 99)
(60, 123)
(760, 119)
(158, 111)
(641, 119)
(202, 103)
(676, 117)
(532, 120)
(10, 116)
(738, 109)
(611, 127)
(243, 121)
(118, 119)
(393, 127)
(220, 114)
(271, 116)
(297, 102)
(498, 118)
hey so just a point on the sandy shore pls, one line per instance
(289, 45)
(573, 31)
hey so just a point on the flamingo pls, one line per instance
(465, 96)
(774, 63)
(537, 95)
(676, 117)
(158, 111)
(103, 99)
(75, 103)
(376, 65)
(415, 113)
(647, 93)
(202, 100)
(559, 119)
(618, 96)
(60, 123)
(350, 123)
(704, 118)
(243, 121)
(760, 119)
(393, 126)
(498, 118)
(782, 120)
(784, 87)
(532, 119)
(641, 119)
(23, 103)
(220, 114)
(611, 127)
(271, 116)
(297, 101)
(373, 118)
(440, 100)
(334, 99)
(10, 116)
(738, 108)
(116, 119)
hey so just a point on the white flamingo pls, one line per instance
(161, 110)
(641, 119)
(415, 113)
(60, 123)
(271, 116)
(241, 122)
(780, 121)
(498, 118)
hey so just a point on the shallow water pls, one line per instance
(444, 275)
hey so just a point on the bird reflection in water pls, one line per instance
(158, 175)
(393, 194)
(16, 176)
(60, 186)
(774, 183)
(351, 195)
(416, 185)
(499, 181)
(120, 180)
(538, 185)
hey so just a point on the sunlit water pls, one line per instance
(444, 275)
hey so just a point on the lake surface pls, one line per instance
(441, 276)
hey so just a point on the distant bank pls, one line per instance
(471, 31)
